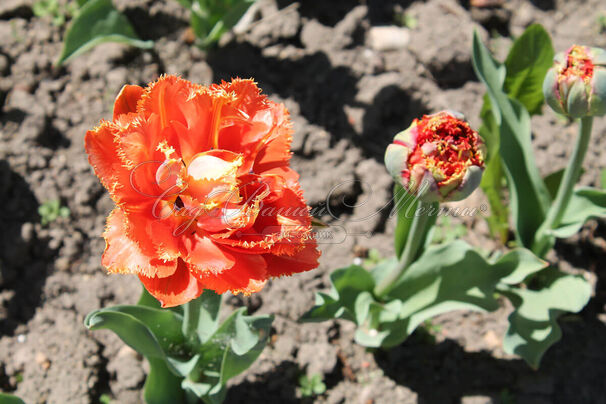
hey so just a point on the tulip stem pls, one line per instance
(191, 318)
(571, 175)
(415, 240)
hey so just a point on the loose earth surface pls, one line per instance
(349, 87)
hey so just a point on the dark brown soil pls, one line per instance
(348, 96)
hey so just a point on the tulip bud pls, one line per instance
(576, 84)
(439, 158)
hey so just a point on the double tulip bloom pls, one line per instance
(439, 158)
(576, 84)
(204, 192)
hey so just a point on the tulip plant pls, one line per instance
(440, 159)
(190, 169)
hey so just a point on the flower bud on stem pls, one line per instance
(571, 175)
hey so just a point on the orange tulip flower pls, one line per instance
(204, 192)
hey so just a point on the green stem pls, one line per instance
(191, 318)
(571, 175)
(414, 243)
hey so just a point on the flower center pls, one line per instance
(446, 146)
(578, 64)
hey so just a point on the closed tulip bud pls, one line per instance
(576, 84)
(439, 158)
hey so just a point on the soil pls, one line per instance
(349, 90)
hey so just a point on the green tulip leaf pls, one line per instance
(232, 348)
(526, 66)
(527, 63)
(95, 23)
(10, 399)
(347, 284)
(529, 196)
(161, 385)
(533, 326)
(130, 329)
(445, 277)
(210, 19)
(164, 324)
(453, 277)
(585, 203)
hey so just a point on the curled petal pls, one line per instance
(123, 255)
(304, 260)
(126, 101)
(248, 273)
(174, 290)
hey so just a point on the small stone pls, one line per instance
(492, 339)
(476, 400)
(62, 264)
(284, 346)
(27, 232)
(42, 360)
(317, 358)
(388, 38)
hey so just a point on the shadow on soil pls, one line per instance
(22, 258)
(322, 91)
(275, 386)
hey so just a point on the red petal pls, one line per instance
(123, 255)
(126, 101)
(169, 98)
(246, 276)
(174, 290)
(103, 147)
(304, 260)
(204, 254)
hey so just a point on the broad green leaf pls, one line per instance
(585, 203)
(527, 63)
(453, 277)
(518, 264)
(131, 330)
(229, 351)
(382, 269)
(98, 22)
(249, 342)
(347, 284)
(603, 179)
(10, 399)
(529, 197)
(164, 324)
(200, 317)
(209, 314)
(533, 326)
(526, 66)
(161, 385)
(492, 179)
(210, 19)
